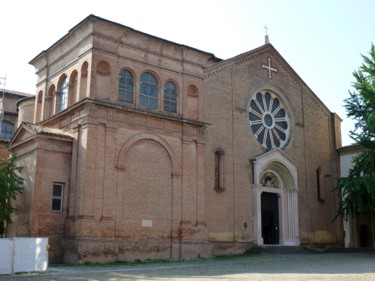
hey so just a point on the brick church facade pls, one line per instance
(143, 148)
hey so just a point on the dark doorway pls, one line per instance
(270, 218)
(364, 236)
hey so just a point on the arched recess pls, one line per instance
(49, 103)
(103, 80)
(145, 198)
(125, 148)
(73, 81)
(83, 81)
(274, 173)
(192, 102)
(39, 107)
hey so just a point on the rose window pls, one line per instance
(268, 120)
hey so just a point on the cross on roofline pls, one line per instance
(266, 28)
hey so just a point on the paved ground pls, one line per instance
(343, 267)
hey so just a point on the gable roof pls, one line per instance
(36, 129)
(244, 57)
(39, 129)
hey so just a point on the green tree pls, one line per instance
(11, 184)
(358, 189)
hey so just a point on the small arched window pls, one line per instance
(170, 97)
(219, 170)
(62, 99)
(126, 87)
(6, 130)
(149, 91)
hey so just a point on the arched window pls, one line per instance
(6, 130)
(149, 91)
(62, 98)
(219, 170)
(170, 97)
(126, 86)
(318, 185)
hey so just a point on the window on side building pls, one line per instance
(6, 130)
(57, 197)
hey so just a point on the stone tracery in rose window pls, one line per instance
(269, 120)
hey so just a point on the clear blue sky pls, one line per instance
(322, 40)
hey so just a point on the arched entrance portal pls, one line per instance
(275, 198)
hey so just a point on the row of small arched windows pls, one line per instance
(148, 91)
(149, 95)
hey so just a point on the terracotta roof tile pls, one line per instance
(39, 129)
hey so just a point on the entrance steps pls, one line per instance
(279, 249)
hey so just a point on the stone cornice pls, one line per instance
(118, 106)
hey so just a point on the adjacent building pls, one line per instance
(9, 117)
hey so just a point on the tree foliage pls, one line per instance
(358, 189)
(360, 105)
(11, 184)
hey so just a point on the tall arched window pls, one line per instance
(6, 130)
(149, 91)
(318, 185)
(62, 99)
(126, 86)
(170, 97)
(219, 170)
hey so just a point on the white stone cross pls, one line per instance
(269, 68)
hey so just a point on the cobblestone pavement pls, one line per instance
(343, 267)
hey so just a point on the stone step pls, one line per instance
(278, 249)
(350, 250)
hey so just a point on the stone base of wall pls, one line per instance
(219, 248)
(321, 247)
(86, 250)
(55, 254)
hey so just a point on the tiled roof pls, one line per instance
(39, 129)
(350, 147)
(16, 93)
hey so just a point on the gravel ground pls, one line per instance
(343, 267)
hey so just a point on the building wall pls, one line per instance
(10, 100)
(45, 161)
(4, 153)
(140, 182)
(228, 89)
(351, 227)
(136, 174)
